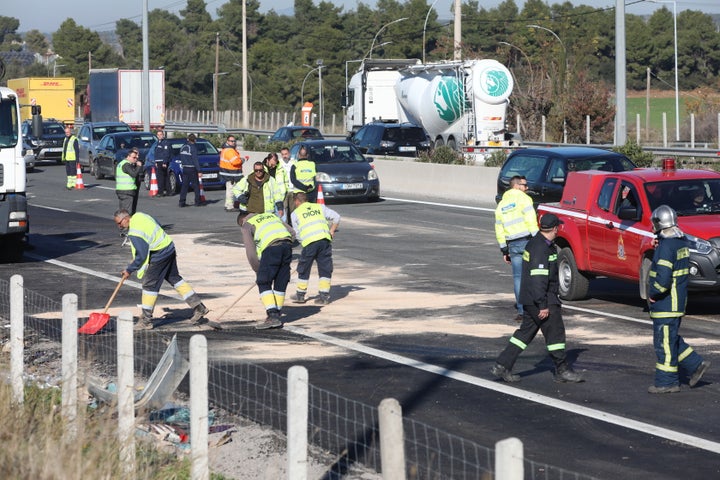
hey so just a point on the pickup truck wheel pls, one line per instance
(172, 183)
(574, 285)
(645, 277)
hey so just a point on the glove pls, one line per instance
(505, 251)
(243, 198)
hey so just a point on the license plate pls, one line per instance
(351, 186)
(407, 149)
(210, 175)
(54, 150)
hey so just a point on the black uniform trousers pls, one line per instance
(274, 270)
(552, 327)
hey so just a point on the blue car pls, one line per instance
(209, 158)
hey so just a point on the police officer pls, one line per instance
(70, 154)
(162, 153)
(539, 296)
(302, 175)
(515, 223)
(190, 164)
(311, 221)
(155, 260)
(667, 296)
(268, 246)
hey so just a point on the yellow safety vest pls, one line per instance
(68, 153)
(143, 226)
(268, 228)
(123, 181)
(305, 173)
(312, 224)
(515, 217)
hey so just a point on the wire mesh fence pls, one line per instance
(344, 428)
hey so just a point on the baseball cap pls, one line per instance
(549, 221)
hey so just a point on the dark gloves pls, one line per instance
(243, 198)
(505, 251)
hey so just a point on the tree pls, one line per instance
(36, 42)
(8, 29)
(74, 43)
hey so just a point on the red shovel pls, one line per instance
(98, 320)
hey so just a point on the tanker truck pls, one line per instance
(461, 104)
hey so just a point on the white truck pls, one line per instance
(115, 95)
(13, 202)
(461, 104)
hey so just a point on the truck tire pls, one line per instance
(574, 285)
(13, 248)
(644, 277)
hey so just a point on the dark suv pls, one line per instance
(547, 168)
(404, 139)
(49, 145)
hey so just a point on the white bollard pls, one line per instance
(69, 362)
(509, 459)
(126, 392)
(392, 442)
(297, 418)
(200, 469)
(17, 338)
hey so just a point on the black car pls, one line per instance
(291, 133)
(546, 169)
(401, 139)
(49, 145)
(114, 147)
(342, 170)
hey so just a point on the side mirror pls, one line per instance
(629, 213)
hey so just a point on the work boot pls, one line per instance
(145, 321)
(323, 298)
(566, 374)
(502, 372)
(199, 312)
(272, 321)
(300, 297)
(699, 372)
(668, 389)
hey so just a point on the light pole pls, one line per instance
(55, 66)
(677, 90)
(379, 45)
(372, 45)
(527, 59)
(565, 59)
(215, 94)
(425, 26)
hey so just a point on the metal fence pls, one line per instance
(346, 429)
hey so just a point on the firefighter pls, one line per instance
(515, 224)
(155, 260)
(667, 297)
(539, 296)
(70, 154)
(268, 246)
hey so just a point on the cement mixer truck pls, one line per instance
(461, 104)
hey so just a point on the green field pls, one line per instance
(637, 105)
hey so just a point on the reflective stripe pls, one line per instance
(539, 271)
(144, 227)
(521, 345)
(555, 347)
(685, 354)
(268, 228)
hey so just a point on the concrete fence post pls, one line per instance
(587, 129)
(392, 441)
(17, 338)
(200, 469)
(637, 128)
(692, 130)
(664, 117)
(509, 459)
(297, 419)
(543, 124)
(69, 393)
(126, 392)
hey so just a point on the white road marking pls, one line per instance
(618, 420)
(51, 208)
(437, 204)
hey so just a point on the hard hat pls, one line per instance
(663, 217)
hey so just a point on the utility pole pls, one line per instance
(620, 80)
(215, 77)
(244, 66)
(458, 30)
(145, 89)
(647, 106)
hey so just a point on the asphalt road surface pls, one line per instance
(607, 427)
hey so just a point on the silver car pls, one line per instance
(89, 138)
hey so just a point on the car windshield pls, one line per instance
(306, 133)
(99, 132)
(334, 154)
(686, 197)
(404, 135)
(611, 163)
(134, 140)
(53, 129)
(203, 147)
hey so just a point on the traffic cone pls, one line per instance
(79, 185)
(320, 197)
(153, 183)
(202, 192)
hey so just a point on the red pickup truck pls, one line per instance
(607, 229)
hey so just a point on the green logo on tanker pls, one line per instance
(495, 82)
(448, 99)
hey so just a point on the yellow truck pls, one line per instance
(56, 96)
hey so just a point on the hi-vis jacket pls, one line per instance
(515, 217)
(273, 193)
(147, 239)
(311, 222)
(302, 175)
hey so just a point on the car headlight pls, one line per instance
(322, 177)
(372, 174)
(698, 245)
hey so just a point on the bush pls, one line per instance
(252, 143)
(635, 153)
(496, 159)
(444, 155)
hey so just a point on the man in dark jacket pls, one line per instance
(667, 296)
(161, 154)
(190, 170)
(541, 306)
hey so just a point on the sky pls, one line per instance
(101, 15)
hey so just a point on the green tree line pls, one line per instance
(562, 56)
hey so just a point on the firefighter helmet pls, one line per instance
(663, 217)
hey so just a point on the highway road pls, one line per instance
(421, 308)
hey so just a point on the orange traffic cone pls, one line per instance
(320, 197)
(202, 192)
(153, 183)
(79, 185)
